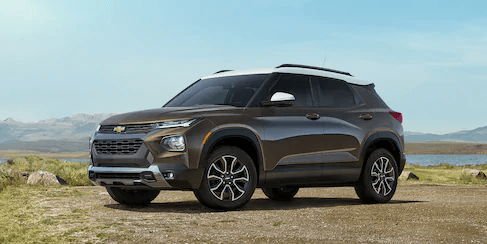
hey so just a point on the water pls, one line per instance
(453, 159)
(73, 160)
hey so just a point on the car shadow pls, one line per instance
(252, 205)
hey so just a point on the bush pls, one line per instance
(8, 179)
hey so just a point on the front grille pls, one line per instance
(117, 147)
(128, 129)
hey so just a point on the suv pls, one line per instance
(277, 129)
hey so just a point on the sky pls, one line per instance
(428, 59)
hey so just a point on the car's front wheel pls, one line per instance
(132, 196)
(229, 180)
(378, 181)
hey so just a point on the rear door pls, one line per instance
(345, 122)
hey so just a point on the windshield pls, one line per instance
(230, 90)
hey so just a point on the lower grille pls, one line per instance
(117, 147)
(125, 176)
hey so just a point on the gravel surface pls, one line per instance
(418, 213)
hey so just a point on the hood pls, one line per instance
(170, 113)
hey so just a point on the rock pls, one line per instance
(44, 178)
(408, 175)
(475, 173)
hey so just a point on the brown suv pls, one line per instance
(278, 129)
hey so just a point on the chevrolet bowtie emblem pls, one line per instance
(119, 129)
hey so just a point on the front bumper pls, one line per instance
(150, 166)
(161, 176)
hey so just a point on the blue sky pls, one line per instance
(428, 59)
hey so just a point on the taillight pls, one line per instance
(396, 115)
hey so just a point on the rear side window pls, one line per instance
(333, 93)
(297, 85)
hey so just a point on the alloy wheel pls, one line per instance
(383, 176)
(228, 178)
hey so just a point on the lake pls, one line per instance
(453, 159)
(76, 160)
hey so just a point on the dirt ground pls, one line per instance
(418, 213)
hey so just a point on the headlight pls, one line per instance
(174, 143)
(175, 123)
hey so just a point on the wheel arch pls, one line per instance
(242, 138)
(387, 140)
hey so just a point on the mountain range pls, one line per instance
(73, 128)
(70, 134)
(475, 135)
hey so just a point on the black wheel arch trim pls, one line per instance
(234, 132)
(384, 136)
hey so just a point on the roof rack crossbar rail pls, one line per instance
(312, 67)
(223, 70)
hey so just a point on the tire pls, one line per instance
(280, 194)
(378, 181)
(229, 179)
(132, 196)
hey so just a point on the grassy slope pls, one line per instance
(447, 174)
(73, 173)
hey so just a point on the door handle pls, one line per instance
(365, 116)
(312, 116)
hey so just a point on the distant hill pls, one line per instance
(78, 127)
(475, 135)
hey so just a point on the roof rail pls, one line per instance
(312, 67)
(223, 70)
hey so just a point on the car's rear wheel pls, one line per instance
(132, 196)
(229, 180)
(281, 193)
(378, 181)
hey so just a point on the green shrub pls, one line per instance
(8, 179)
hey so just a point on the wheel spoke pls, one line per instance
(215, 166)
(241, 190)
(383, 165)
(225, 163)
(214, 189)
(214, 177)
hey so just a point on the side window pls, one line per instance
(333, 93)
(298, 85)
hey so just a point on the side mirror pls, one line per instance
(280, 99)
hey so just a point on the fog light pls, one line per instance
(174, 143)
(168, 175)
(91, 175)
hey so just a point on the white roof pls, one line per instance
(293, 70)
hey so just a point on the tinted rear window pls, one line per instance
(333, 93)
